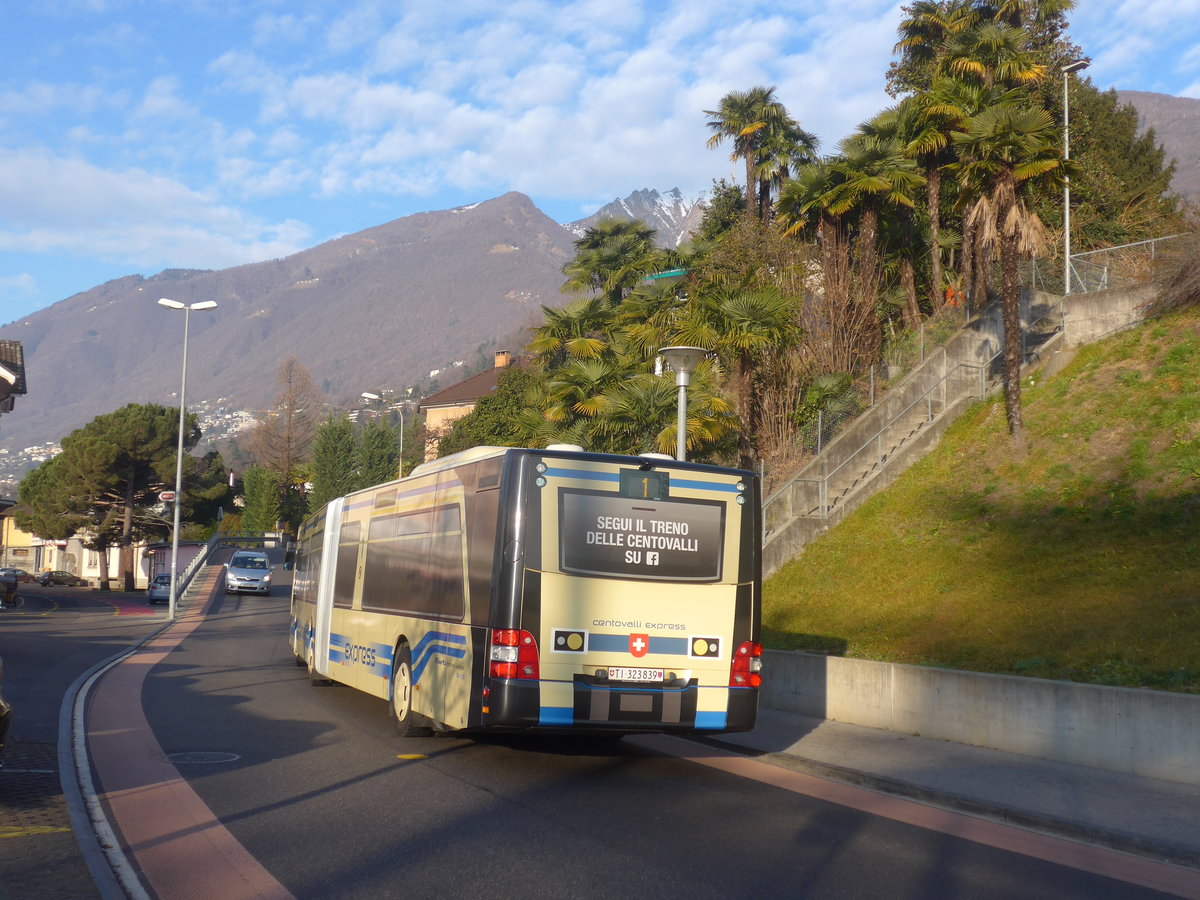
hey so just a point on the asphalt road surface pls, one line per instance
(314, 783)
(58, 633)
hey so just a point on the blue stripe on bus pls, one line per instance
(556, 715)
(706, 719)
(433, 643)
(582, 475)
(703, 485)
(689, 483)
(619, 643)
(376, 659)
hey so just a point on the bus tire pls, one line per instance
(400, 697)
(315, 678)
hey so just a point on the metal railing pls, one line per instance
(196, 562)
(811, 497)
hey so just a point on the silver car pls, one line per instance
(159, 590)
(248, 571)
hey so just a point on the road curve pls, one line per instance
(180, 848)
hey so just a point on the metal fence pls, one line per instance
(1099, 270)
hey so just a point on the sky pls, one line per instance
(137, 136)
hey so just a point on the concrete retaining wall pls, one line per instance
(1090, 317)
(1154, 734)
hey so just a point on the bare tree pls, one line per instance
(283, 436)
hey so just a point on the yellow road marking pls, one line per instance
(31, 830)
(412, 756)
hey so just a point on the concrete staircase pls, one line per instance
(911, 418)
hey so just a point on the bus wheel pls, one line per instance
(315, 678)
(400, 701)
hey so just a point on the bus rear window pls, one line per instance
(602, 533)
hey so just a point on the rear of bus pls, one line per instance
(628, 596)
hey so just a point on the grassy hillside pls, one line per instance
(1074, 554)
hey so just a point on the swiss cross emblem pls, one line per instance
(639, 644)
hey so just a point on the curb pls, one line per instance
(114, 878)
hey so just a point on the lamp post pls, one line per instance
(683, 360)
(1078, 66)
(187, 312)
(367, 395)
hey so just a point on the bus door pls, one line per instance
(323, 614)
(446, 657)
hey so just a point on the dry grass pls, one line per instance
(1074, 556)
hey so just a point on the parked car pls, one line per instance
(23, 577)
(248, 571)
(159, 589)
(5, 716)
(59, 577)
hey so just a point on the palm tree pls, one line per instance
(1024, 13)
(942, 110)
(899, 127)
(577, 331)
(647, 318)
(576, 390)
(992, 54)
(783, 151)
(804, 205)
(749, 119)
(875, 171)
(612, 257)
(846, 318)
(1005, 150)
(923, 36)
(742, 326)
(641, 415)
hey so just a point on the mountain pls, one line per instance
(1176, 123)
(673, 217)
(378, 309)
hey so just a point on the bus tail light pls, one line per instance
(746, 670)
(514, 654)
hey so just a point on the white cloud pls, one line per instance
(52, 205)
(22, 283)
(270, 29)
(162, 101)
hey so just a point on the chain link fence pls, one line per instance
(1099, 270)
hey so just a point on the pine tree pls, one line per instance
(333, 466)
(105, 483)
(376, 454)
(261, 491)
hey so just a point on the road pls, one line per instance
(56, 635)
(315, 785)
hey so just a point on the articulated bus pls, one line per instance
(549, 590)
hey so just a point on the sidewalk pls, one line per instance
(1147, 817)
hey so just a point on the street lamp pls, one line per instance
(187, 312)
(367, 395)
(1077, 66)
(683, 360)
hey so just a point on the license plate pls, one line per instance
(621, 673)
